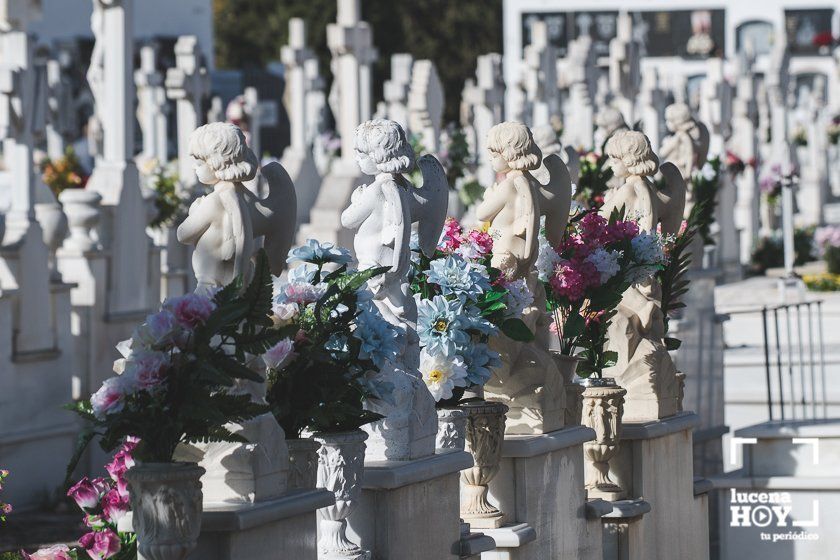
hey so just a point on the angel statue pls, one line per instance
(608, 121)
(226, 227)
(637, 331)
(383, 213)
(688, 145)
(528, 380)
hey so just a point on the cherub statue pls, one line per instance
(528, 380)
(225, 225)
(383, 213)
(609, 120)
(637, 331)
(688, 144)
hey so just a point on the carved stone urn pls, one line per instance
(166, 506)
(303, 463)
(82, 209)
(680, 390)
(341, 461)
(603, 406)
(452, 428)
(484, 436)
(574, 391)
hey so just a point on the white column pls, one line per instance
(151, 96)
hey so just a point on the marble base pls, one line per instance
(623, 533)
(409, 509)
(473, 544)
(540, 484)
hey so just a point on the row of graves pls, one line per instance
(402, 339)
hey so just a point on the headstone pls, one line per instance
(396, 89)
(188, 84)
(815, 189)
(579, 113)
(486, 103)
(540, 77)
(425, 105)
(297, 158)
(151, 106)
(744, 144)
(650, 107)
(624, 67)
(62, 124)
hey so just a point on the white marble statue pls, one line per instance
(224, 225)
(637, 331)
(608, 121)
(548, 142)
(382, 213)
(96, 78)
(528, 380)
(688, 144)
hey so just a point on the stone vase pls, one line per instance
(485, 432)
(54, 227)
(303, 463)
(680, 390)
(82, 209)
(452, 429)
(603, 407)
(341, 461)
(574, 391)
(166, 506)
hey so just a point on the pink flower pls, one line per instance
(115, 506)
(85, 494)
(56, 552)
(278, 355)
(130, 444)
(568, 282)
(6, 508)
(100, 544)
(109, 398)
(304, 293)
(482, 242)
(117, 469)
(190, 310)
(451, 238)
(621, 231)
(145, 369)
(160, 329)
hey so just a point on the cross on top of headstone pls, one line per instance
(490, 87)
(351, 35)
(189, 78)
(425, 103)
(16, 15)
(296, 52)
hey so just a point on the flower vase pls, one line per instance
(574, 391)
(83, 213)
(452, 428)
(341, 461)
(485, 432)
(166, 503)
(303, 463)
(603, 407)
(54, 227)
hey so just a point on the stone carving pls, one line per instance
(549, 144)
(82, 209)
(567, 365)
(452, 426)
(603, 404)
(383, 213)
(688, 144)
(527, 381)
(609, 120)
(425, 104)
(637, 331)
(341, 460)
(166, 503)
(484, 434)
(303, 463)
(225, 224)
(96, 78)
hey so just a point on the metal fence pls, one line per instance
(794, 359)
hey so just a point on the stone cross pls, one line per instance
(151, 107)
(316, 101)
(744, 144)
(540, 77)
(189, 84)
(777, 81)
(624, 67)
(294, 57)
(579, 113)
(351, 43)
(396, 89)
(650, 107)
(487, 102)
(716, 105)
(425, 104)
(62, 124)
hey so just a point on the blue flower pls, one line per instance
(471, 319)
(304, 273)
(438, 325)
(380, 340)
(457, 276)
(478, 359)
(376, 388)
(336, 345)
(319, 253)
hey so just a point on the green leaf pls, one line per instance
(672, 343)
(574, 326)
(610, 358)
(517, 330)
(354, 281)
(235, 369)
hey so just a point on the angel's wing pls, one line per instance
(277, 215)
(703, 144)
(671, 198)
(429, 203)
(555, 198)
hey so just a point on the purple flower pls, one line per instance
(85, 494)
(115, 506)
(190, 310)
(100, 544)
(55, 552)
(278, 355)
(117, 468)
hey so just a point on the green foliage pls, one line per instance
(822, 282)
(170, 207)
(704, 193)
(250, 33)
(63, 173)
(769, 252)
(593, 180)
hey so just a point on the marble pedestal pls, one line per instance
(540, 488)
(655, 463)
(623, 530)
(409, 509)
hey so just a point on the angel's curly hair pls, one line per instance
(384, 142)
(633, 149)
(514, 142)
(223, 148)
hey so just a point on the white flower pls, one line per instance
(519, 297)
(647, 249)
(606, 262)
(159, 329)
(707, 171)
(547, 260)
(442, 374)
(280, 354)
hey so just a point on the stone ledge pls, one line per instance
(709, 434)
(35, 356)
(474, 543)
(597, 508)
(540, 444)
(737, 479)
(240, 517)
(626, 510)
(388, 475)
(658, 428)
(28, 435)
(512, 536)
(785, 429)
(702, 486)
